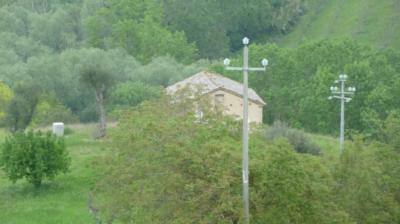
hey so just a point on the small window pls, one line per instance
(219, 98)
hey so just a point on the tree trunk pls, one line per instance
(102, 111)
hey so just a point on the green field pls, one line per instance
(373, 22)
(65, 200)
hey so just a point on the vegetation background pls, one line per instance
(141, 46)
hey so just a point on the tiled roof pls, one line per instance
(212, 81)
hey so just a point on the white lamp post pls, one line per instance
(245, 166)
(341, 94)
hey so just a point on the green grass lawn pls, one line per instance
(63, 200)
(373, 22)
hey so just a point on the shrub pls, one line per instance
(68, 131)
(167, 168)
(296, 138)
(34, 156)
(133, 93)
(48, 112)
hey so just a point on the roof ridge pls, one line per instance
(209, 76)
(227, 78)
(213, 80)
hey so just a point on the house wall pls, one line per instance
(233, 105)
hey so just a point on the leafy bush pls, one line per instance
(68, 131)
(34, 156)
(133, 93)
(296, 138)
(51, 111)
(368, 182)
(167, 168)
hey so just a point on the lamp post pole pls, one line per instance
(342, 94)
(245, 156)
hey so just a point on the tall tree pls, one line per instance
(22, 106)
(97, 73)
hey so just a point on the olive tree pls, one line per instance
(97, 73)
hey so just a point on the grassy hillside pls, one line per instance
(374, 22)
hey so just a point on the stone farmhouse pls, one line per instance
(224, 93)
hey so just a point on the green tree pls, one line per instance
(365, 187)
(97, 74)
(133, 93)
(5, 97)
(136, 27)
(293, 188)
(165, 71)
(217, 27)
(299, 79)
(46, 29)
(49, 110)
(22, 106)
(391, 130)
(34, 156)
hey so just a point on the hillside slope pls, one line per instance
(374, 22)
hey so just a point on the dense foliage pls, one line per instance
(22, 106)
(297, 138)
(76, 60)
(217, 27)
(50, 110)
(166, 167)
(34, 156)
(368, 184)
(136, 37)
(296, 85)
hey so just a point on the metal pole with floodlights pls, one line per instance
(245, 162)
(341, 94)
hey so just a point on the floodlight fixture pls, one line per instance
(342, 77)
(227, 62)
(352, 89)
(245, 41)
(264, 62)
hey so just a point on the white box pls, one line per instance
(58, 128)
